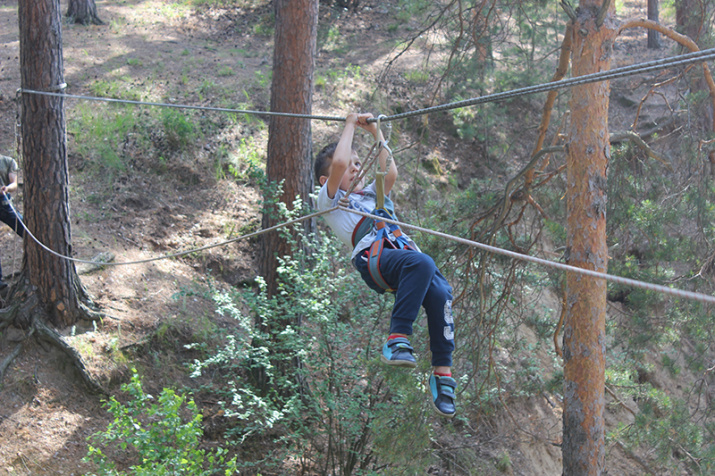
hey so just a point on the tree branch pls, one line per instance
(602, 12)
(637, 140)
(568, 9)
(680, 39)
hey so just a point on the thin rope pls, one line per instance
(183, 106)
(646, 67)
(564, 267)
(172, 255)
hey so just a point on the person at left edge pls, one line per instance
(8, 185)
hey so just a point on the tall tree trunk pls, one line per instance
(47, 213)
(653, 36)
(585, 322)
(83, 12)
(689, 15)
(289, 139)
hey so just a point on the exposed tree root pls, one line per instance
(8, 360)
(28, 314)
(51, 336)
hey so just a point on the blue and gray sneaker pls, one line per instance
(442, 391)
(398, 352)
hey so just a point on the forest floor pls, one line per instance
(153, 208)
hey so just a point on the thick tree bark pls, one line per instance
(83, 12)
(289, 139)
(653, 36)
(585, 321)
(47, 213)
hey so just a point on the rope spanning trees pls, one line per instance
(650, 66)
(638, 68)
(172, 255)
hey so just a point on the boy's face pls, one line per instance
(349, 174)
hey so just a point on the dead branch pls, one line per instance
(511, 185)
(638, 141)
(601, 16)
(559, 74)
(569, 10)
(419, 34)
(652, 91)
(557, 347)
(680, 39)
(620, 402)
(636, 458)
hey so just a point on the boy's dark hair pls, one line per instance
(323, 161)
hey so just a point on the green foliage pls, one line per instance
(179, 129)
(158, 438)
(247, 162)
(118, 88)
(99, 132)
(664, 426)
(338, 400)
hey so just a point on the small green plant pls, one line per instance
(246, 161)
(155, 436)
(225, 71)
(263, 79)
(179, 129)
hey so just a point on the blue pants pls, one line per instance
(418, 283)
(9, 217)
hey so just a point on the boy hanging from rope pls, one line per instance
(399, 267)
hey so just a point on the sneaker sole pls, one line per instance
(441, 413)
(398, 363)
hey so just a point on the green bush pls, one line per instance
(160, 438)
(303, 365)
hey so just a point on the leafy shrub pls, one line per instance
(301, 365)
(156, 436)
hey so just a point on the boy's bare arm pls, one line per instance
(371, 127)
(12, 186)
(342, 155)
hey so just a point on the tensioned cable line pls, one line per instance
(646, 67)
(171, 255)
(183, 106)
(533, 259)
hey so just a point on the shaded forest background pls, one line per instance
(148, 180)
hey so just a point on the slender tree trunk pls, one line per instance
(83, 12)
(689, 15)
(47, 212)
(289, 139)
(585, 322)
(653, 36)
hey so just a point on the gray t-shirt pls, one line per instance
(7, 166)
(343, 223)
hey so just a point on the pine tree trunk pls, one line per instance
(289, 139)
(584, 326)
(653, 36)
(46, 194)
(83, 12)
